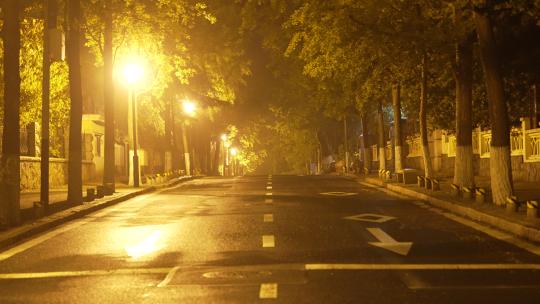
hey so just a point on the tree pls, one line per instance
(398, 135)
(109, 169)
(499, 161)
(75, 89)
(9, 162)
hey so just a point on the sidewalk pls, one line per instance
(516, 223)
(30, 228)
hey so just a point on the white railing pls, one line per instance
(374, 153)
(485, 144)
(516, 142)
(388, 151)
(451, 149)
(531, 146)
(415, 147)
(476, 142)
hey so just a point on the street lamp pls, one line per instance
(133, 74)
(189, 107)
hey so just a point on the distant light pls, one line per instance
(224, 137)
(234, 151)
(189, 107)
(133, 73)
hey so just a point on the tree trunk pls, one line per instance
(381, 139)
(10, 177)
(428, 167)
(217, 150)
(499, 161)
(346, 144)
(365, 142)
(50, 8)
(398, 139)
(75, 91)
(108, 99)
(463, 165)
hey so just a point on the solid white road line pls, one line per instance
(268, 241)
(40, 239)
(422, 266)
(268, 291)
(268, 218)
(169, 277)
(82, 273)
(308, 267)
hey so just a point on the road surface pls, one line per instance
(282, 239)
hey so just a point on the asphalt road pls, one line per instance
(285, 239)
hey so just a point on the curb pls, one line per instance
(25, 231)
(522, 231)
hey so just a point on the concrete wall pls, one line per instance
(58, 172)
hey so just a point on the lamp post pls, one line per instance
(133, 74)
(234, 161)
(190, 109)
(224, 139)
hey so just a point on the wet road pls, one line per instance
(284, 239)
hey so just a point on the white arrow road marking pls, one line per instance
(388, 243)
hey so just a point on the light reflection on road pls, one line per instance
(147, 246)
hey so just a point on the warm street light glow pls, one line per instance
(223, 137)
(133, 73)
(189, 107)
(234, 151)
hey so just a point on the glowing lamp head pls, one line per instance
(224, 137)
(133, 73)
(234, 151)
(189, 107)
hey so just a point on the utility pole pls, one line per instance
(49, 23)
(186, 149)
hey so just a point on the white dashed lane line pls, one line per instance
(268, 291)
(268, 241)
(268, 218)
(268, 187)
(268, 193)
(268, 201)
